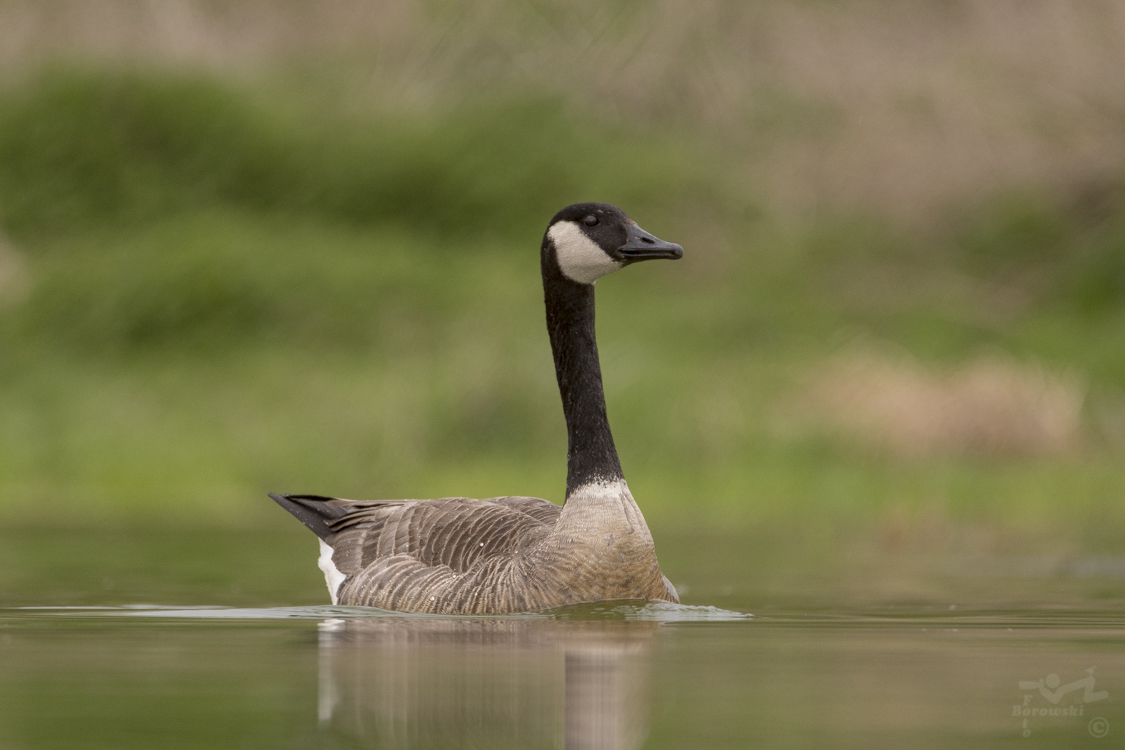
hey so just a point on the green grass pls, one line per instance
(226, 291)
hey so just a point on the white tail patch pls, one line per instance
(580, 258)
(332, 575)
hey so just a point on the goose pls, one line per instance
(462, 556)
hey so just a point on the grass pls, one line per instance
(216, 290)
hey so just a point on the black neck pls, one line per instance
(591, 455)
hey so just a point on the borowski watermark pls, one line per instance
(1048, 692)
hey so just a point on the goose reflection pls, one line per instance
(406, 682)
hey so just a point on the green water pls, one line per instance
(221, 639)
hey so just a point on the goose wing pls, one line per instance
(452, 531)
(412, 546)
(455, 532)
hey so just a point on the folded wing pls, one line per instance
(438, 555)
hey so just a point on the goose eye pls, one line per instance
(590, 221)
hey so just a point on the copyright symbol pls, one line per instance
(1098, 727)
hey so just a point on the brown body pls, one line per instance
(505, 554)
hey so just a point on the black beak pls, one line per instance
(640, 245)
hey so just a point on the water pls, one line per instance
(209, 639)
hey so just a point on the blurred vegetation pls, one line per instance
(83, 150)
(214, 287)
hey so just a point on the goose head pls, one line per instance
(586, 241)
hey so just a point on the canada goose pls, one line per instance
(456, 555)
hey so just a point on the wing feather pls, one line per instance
(455, 532)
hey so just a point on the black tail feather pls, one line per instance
(313, 511)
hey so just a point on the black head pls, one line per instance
(589, 240)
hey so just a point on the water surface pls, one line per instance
(206, 639)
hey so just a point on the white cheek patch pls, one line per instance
(332, 575)
(580, 258)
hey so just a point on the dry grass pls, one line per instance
(992, 405)
(900, 108)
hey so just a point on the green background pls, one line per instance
(298, 251)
